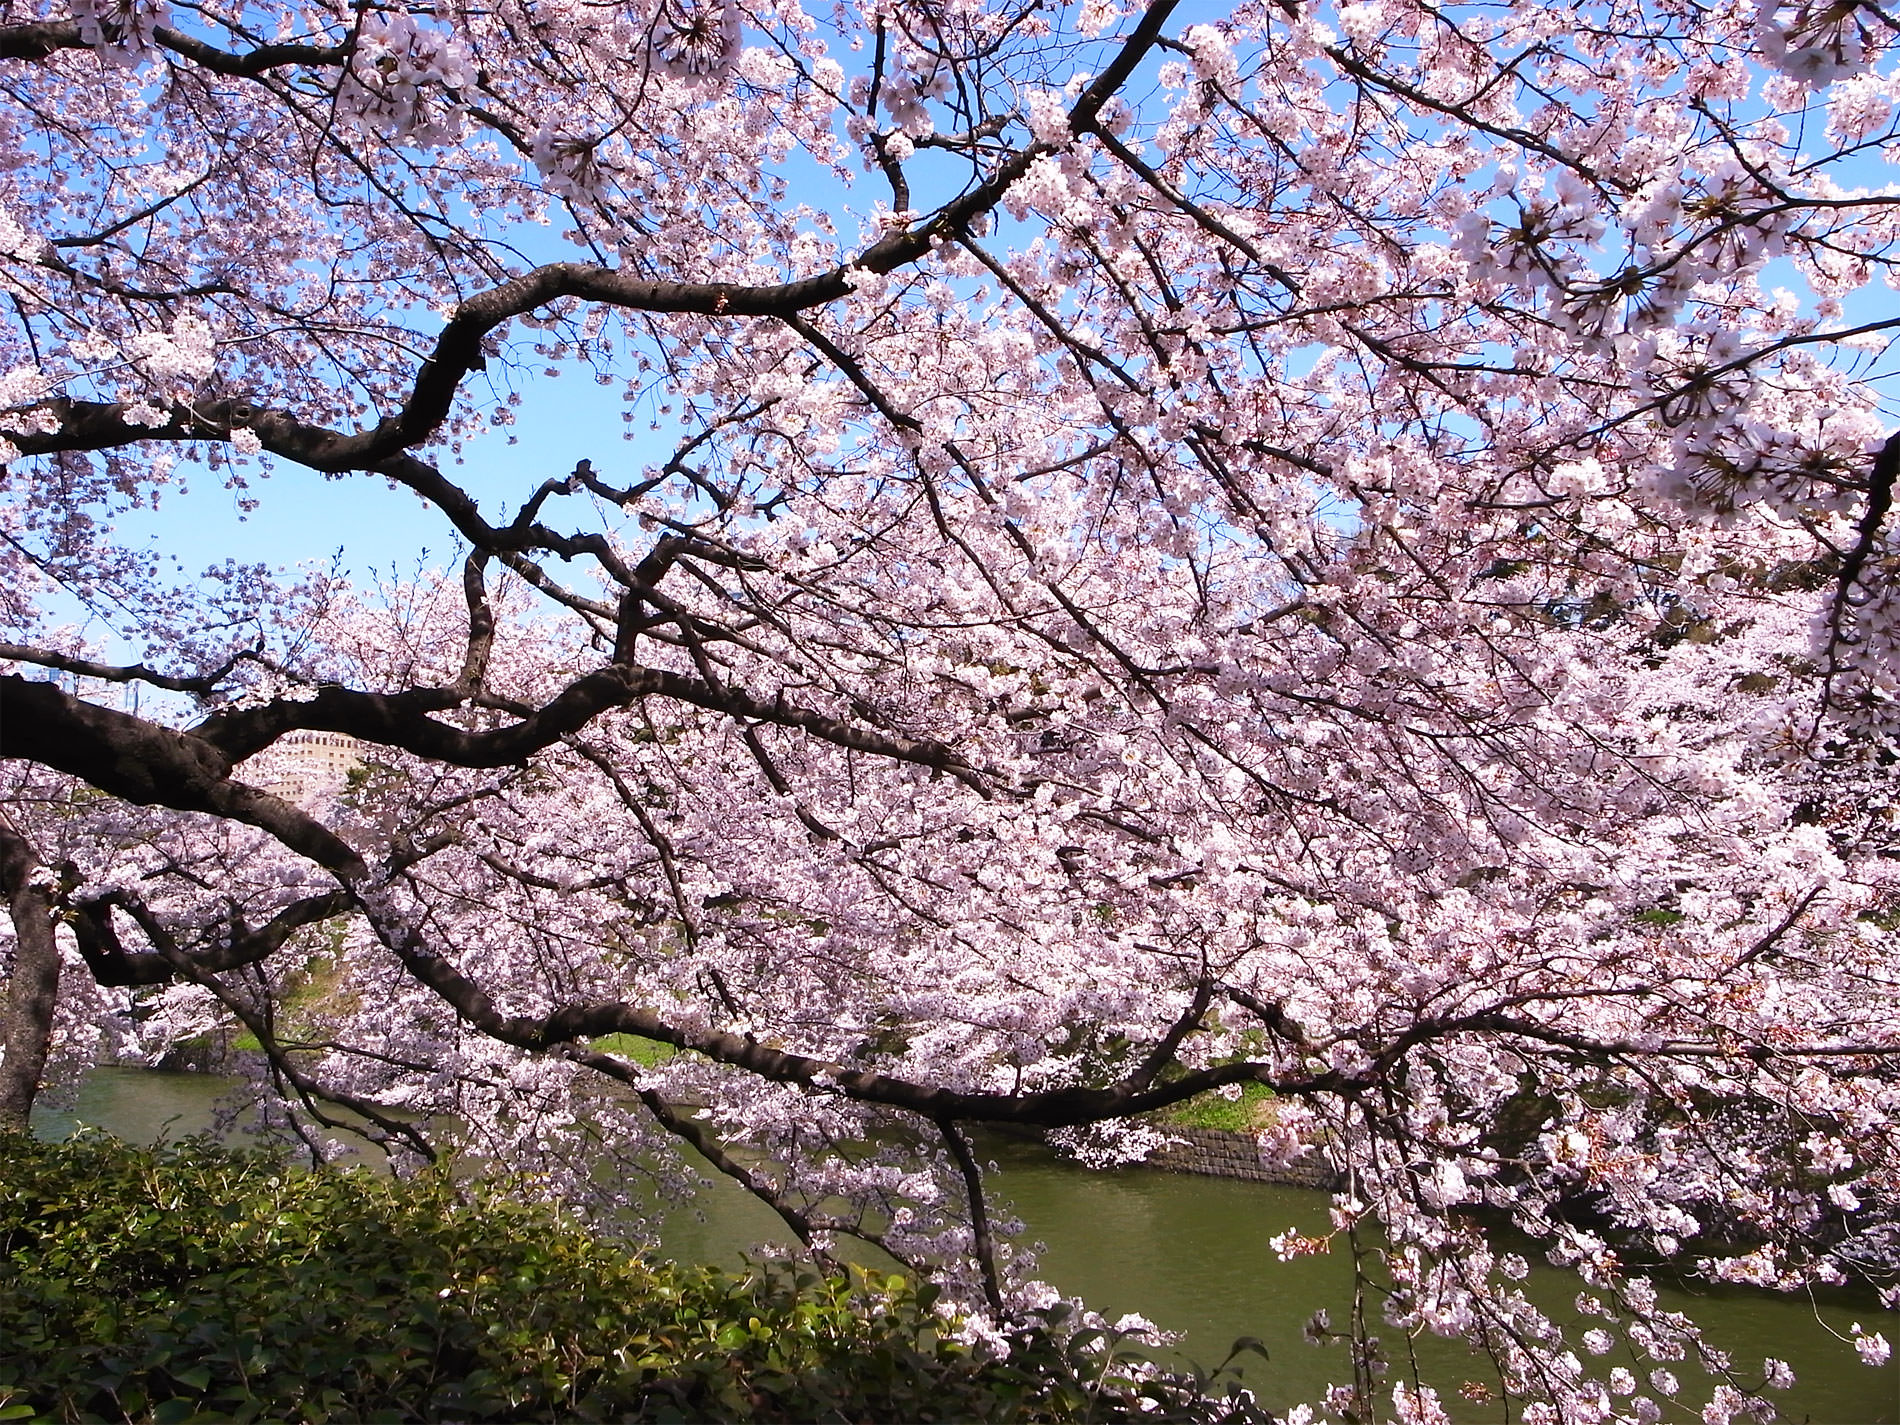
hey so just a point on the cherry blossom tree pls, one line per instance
(1343, 548)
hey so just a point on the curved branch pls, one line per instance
(252, 63)
(1866, 539)
(460, 346)
(982, 1240)
(1049, 1108)
(403, 720)
(112, 964)
(150, 765)
(203, 685)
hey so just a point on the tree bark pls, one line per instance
(26, 1020)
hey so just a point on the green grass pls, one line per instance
(1210, 1110)
(644, 1052)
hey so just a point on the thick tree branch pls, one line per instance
(112, 964)
(403, 720)
(37, 39)
(41, 39)
(150, 765)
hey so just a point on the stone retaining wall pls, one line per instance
(1214, 1153)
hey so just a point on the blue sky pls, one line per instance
(302, 517)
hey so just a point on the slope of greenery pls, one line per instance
(194, 1283)
(1244, 1113)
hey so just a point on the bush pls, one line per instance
(195, 1283)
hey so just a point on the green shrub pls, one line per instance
(194, 1283)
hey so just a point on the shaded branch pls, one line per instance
(41, 39)
(982, 1241)
(1866, 539)
(112, 964)
(149, 765)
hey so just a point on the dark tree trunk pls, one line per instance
(26, 1018)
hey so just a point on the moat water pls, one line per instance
(1190, 1254)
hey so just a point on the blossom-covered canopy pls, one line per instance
(1345, 548)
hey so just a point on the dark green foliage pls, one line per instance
(193, 1283)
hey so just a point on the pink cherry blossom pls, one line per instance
(1332, 548)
